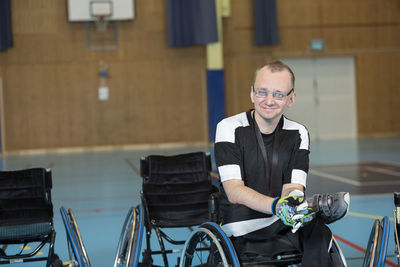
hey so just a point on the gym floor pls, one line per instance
(101, 186)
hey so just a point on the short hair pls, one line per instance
(275, 66)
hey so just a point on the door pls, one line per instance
(326, 99)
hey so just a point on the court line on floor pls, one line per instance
(349, 181)
(368, 216)
(382, 170)
(334, 177)
(132, 166)
(94, 210)
(397, 164)
(102, 198)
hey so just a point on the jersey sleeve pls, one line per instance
(301, 160)
(227, 151)
(300, 167)
(297, 174)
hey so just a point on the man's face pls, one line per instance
(269, 107)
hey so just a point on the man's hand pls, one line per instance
(304, 215)
(292, 211)
(285, 208)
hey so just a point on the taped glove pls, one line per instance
(304, 215)
(285, 208)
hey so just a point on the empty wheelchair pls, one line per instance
(175, 194)
(26, 213)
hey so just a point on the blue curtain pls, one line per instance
(191, 22)
(216, 100)
(266, 22)
(5, 25)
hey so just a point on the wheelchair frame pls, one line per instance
(27, 215)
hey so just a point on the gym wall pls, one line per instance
(157, 93)
(368, 30)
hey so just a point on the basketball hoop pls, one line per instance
(101, 23)
(101, 11)
(99, 35)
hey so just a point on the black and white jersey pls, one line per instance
(238, 156)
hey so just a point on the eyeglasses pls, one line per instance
(261, 93)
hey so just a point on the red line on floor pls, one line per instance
(360, 248)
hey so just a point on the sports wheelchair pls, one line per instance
(26, 213)
(175, 193)
(377, 245)
(178, 192)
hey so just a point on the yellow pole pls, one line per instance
(215, 55)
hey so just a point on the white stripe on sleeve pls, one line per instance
(229, 172)
(299, 177)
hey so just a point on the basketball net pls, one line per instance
(101, 23)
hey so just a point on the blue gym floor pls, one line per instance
(101, 186)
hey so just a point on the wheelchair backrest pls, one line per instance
(25, 197)
(176, 188)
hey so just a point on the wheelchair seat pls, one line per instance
(176, 188)
(26, 213)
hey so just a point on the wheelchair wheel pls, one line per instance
(384, 240)
(82, 248)
(130, 242)
(208, 245)
(397, 235)
(377, 244)
(76, 248)
(336, 250)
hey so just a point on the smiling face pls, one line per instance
(269, 110)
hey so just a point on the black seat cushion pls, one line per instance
(176, 188)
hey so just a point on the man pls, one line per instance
(262, 158)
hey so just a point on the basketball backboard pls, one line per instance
(90, 10)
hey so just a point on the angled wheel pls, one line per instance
(336, 250)
(208, 245)
(371, 245)
(77, 251)
(383, 241)
(130, 242)
(377, 244)
(397, 235)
